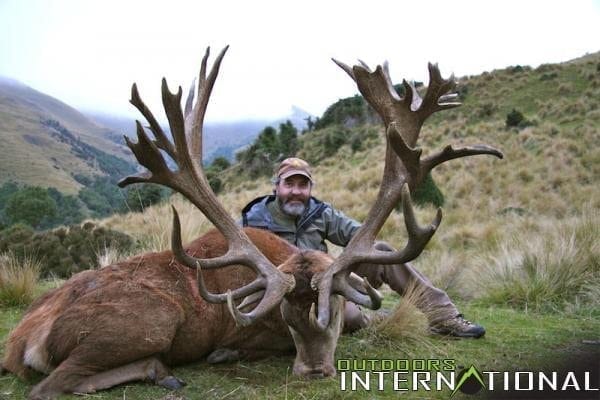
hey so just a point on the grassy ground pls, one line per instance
(515, 340)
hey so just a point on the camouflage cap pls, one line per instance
(293, 166)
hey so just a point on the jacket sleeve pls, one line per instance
(339, 227)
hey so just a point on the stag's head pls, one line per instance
(310, 287)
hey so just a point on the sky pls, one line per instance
(87, 53)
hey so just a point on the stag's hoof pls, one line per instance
(171, 382)
(223, 355)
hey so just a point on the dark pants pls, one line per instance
(402, 278)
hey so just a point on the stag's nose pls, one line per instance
(317, 373)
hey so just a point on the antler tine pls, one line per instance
(190, 181)
(345, 67)
(205, 86)
(403, 169)
(436, 97)
(358, 290)
(161, 139)
(189, 103)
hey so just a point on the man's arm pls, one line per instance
(339, 227)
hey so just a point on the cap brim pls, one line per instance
(295, 172)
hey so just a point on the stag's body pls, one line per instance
(145, 308)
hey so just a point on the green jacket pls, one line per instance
(319, 222)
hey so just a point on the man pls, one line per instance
(293, 214)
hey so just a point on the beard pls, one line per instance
(295, 209)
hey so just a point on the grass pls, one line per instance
(18, 279)
(559, 270)
(515, 340)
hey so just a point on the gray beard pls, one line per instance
(295, 210)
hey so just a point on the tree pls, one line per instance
(140, 197)
(288, 139)
(31, 206)
(220, 163)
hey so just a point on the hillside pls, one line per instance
(46, 142)
(550, 171)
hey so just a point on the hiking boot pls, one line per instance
(459, 327)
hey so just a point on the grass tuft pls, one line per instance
(557, 271)
(18, 279)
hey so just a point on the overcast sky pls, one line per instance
(88, 53)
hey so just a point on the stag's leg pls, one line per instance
(432, 301)
(93, 344)
(150, 369)
(354, 318)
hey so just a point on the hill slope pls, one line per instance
(46, 142)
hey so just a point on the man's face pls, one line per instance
(293, 193)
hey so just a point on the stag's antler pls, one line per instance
(190, 181)
(404, 169)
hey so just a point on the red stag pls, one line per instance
(132, 320)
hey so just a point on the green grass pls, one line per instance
(515, 340)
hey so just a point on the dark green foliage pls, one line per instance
(103, 197)
(288, 139)
(213, 171)
(348, 112)
(26, 200)
(31, 206)
(220, 163)
(326, 142)
(518, 69)
(548, 76)
(6, 191)
(428, 193)
(109, 164)
(516, 119)
(269, 147)
(139, 197)
(63, 251)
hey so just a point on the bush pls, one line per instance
(30, 205)
(269, 147)
(428, 193)
(145, 195)
(63, 251)
(516, 119)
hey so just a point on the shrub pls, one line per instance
(30, 205)
(18, 279)
(428, 193)
(514, 118)
(63, 251)
(140, 197)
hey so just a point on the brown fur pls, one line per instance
(146, 306)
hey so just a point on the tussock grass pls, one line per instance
(406, 326)
(559, 270)
(18, 279)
